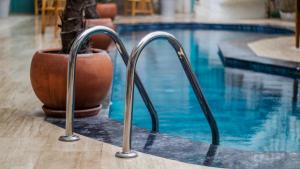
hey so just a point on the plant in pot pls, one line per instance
(48, 71)
(287, 9)
(107, 9)
(272, 9)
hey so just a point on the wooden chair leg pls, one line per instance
(56, 22)
(36, 7)
(147, 8)
(133, 8)
(125, 7)
(143, 7)
(43, 16)
(151, 8)
(298, 24)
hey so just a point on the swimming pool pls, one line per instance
(254, 111)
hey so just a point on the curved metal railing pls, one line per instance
(83, 37)
(126, 151)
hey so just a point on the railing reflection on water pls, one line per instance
(126, 151)
(81, 39)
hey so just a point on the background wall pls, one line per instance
(22, 7)
(184, 6)
(231, 9)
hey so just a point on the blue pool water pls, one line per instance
(254, 111)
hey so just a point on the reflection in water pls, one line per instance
(208, 159)
(254, 111)
(295, 93)
(150, 140)
(210, 155)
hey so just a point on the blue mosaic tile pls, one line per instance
(104, 129)
(230, 27)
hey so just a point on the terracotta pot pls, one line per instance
(48, 74)
(100, 41)
(107, 10)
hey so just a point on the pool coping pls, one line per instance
(237, 54)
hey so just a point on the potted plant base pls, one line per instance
(100, 41)
(48, 76)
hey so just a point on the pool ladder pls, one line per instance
(130, 79)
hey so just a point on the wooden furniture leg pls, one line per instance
(133, 8)
(125, 7)
(59, 8)
(57, 12)
(147, 7)
(36, 7)
(151, 7)
(43, 16)
(143, 6)
(139, 6)
(298, 24)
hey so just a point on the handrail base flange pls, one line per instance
(131, 154)
(72, 138)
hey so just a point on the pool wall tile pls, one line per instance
(122, 28)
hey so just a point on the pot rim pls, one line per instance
(108, 22)
(107, 3)
(54, 50)
(99, 19)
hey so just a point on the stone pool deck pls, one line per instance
(253, 53)
(27, 140)
(280, 48)
(189, 18)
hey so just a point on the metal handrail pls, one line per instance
(81, 39)
(126, 151)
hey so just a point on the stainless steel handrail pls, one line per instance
(82, 38)
(126, 151)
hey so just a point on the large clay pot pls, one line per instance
(100, 41)
(48, 76)
(107, 10)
